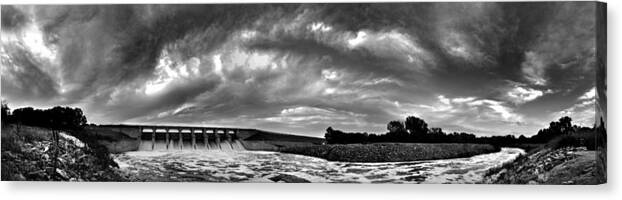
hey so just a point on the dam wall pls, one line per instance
(123, 138)
(188, 138)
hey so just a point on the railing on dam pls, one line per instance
(188, 138)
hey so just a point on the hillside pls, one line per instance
(29, 154)
(570, 165)
(271, 141)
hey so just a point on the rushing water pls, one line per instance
(161, 145)
(253, 166)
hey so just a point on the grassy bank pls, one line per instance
(391, 152)
(30, 154)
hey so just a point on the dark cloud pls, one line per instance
(12, 18)
(139, 105)
(23, 78)
(484, 67)
(105, 46)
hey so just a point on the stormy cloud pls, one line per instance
(487, 68)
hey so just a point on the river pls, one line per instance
(257, 166)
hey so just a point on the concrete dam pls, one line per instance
(123, 138)
(188, 138)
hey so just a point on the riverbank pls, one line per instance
(30, 154)
(391, 152)
(569, 165)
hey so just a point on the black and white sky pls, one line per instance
(486, 68)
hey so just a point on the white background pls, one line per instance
(220, 191)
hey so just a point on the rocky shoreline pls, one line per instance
(391, 152)
(30, 154)
(569, 165)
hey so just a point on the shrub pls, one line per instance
(577, 139)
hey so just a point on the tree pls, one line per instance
(329, 135)
(565, 124)
(57, 117)
(395, 126)
(436, 131)
(416, 126)
(555, 129)
(522, 139)
(416, 130)
(397, 132)
(5, 112)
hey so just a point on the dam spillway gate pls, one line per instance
(189, 138)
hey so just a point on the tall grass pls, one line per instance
(11, 137)
(12, 134)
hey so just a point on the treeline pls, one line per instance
(57, 117)
(415, 130)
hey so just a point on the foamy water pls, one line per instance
(256, 166)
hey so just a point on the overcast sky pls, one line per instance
(485, 68)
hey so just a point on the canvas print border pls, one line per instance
(418, 92)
